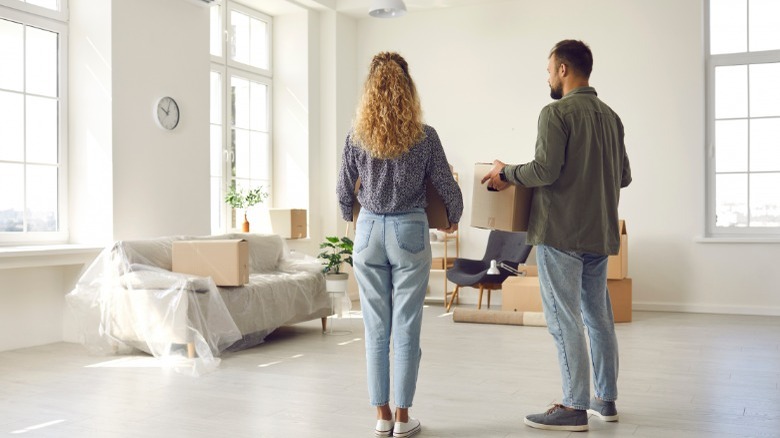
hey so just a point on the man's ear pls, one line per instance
(563, 70)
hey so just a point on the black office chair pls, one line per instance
(502, 246)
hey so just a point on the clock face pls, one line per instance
(167, 113)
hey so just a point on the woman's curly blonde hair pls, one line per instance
(389, 116)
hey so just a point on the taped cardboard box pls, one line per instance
(523, 294)
(617, 265)
(225, 261)
(289, 223)
(621, 296)
(507, 210)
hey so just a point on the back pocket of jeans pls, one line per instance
(362, 234)
(411, 235)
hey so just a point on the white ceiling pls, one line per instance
(353, 8)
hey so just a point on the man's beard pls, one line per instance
(556, 92)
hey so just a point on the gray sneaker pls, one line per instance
(605, 410)
(559, 418)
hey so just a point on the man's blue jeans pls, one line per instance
(392, 260)
(574, 290)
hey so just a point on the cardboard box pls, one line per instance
(620, 296)
(617, 265)
(225, 261)
(506, 210)
(521, 294)
(288, 223)
(438, 262)
(436, 210)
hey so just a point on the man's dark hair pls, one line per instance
(575, 54)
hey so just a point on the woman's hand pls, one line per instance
(453, 228)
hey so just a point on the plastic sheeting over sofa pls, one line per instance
(129, 299)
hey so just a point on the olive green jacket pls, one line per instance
(579, 167)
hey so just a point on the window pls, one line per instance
(32, 122)
(743, 117)
(241, 154)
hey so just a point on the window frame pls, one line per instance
(227, 68)
(711, 63)
(48, 23)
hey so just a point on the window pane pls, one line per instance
(240, 37)
(41, 130)
(731, 146)
(11, 126)
(12, 55)
(731, 200)
(240, 91)
(216, 97)
(260, 166)
(764, 90)
(11, 197)
(215, 39)
(765, 145)
(259, 104)
(731, 92)
(764, 25)
(41, 57)
(242, 153)
(765, 200)
(249, 40)
(41, 198)
(728, 26)
(259, 43)
(48, 4)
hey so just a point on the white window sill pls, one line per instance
(13, 257)
(737, 239)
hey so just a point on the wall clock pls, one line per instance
(167, 113)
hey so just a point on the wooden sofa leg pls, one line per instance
(324, 324)
(191, 350)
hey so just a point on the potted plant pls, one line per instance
(336, 251)
(238, 199)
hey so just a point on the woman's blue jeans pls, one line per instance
(574, 290)
(392, 261)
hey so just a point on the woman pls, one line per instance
(393, 153)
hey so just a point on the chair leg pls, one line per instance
(489, 298)
(324, 324)
(479, 301)
(452, 298)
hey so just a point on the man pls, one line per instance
(579, 166)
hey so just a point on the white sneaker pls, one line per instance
(405, 430)
(384, 428)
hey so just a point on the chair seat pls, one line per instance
(503, 247)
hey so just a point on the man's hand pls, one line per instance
(494, 181)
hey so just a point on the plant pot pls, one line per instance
(335, 283)
(245, 225)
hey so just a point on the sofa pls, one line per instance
(130, 299)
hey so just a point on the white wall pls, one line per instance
(481, 75)
(160, 178)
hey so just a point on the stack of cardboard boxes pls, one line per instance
(509, 210)
(522, 294)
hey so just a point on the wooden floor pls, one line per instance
(682, 375)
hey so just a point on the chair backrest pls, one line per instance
(506, 246)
